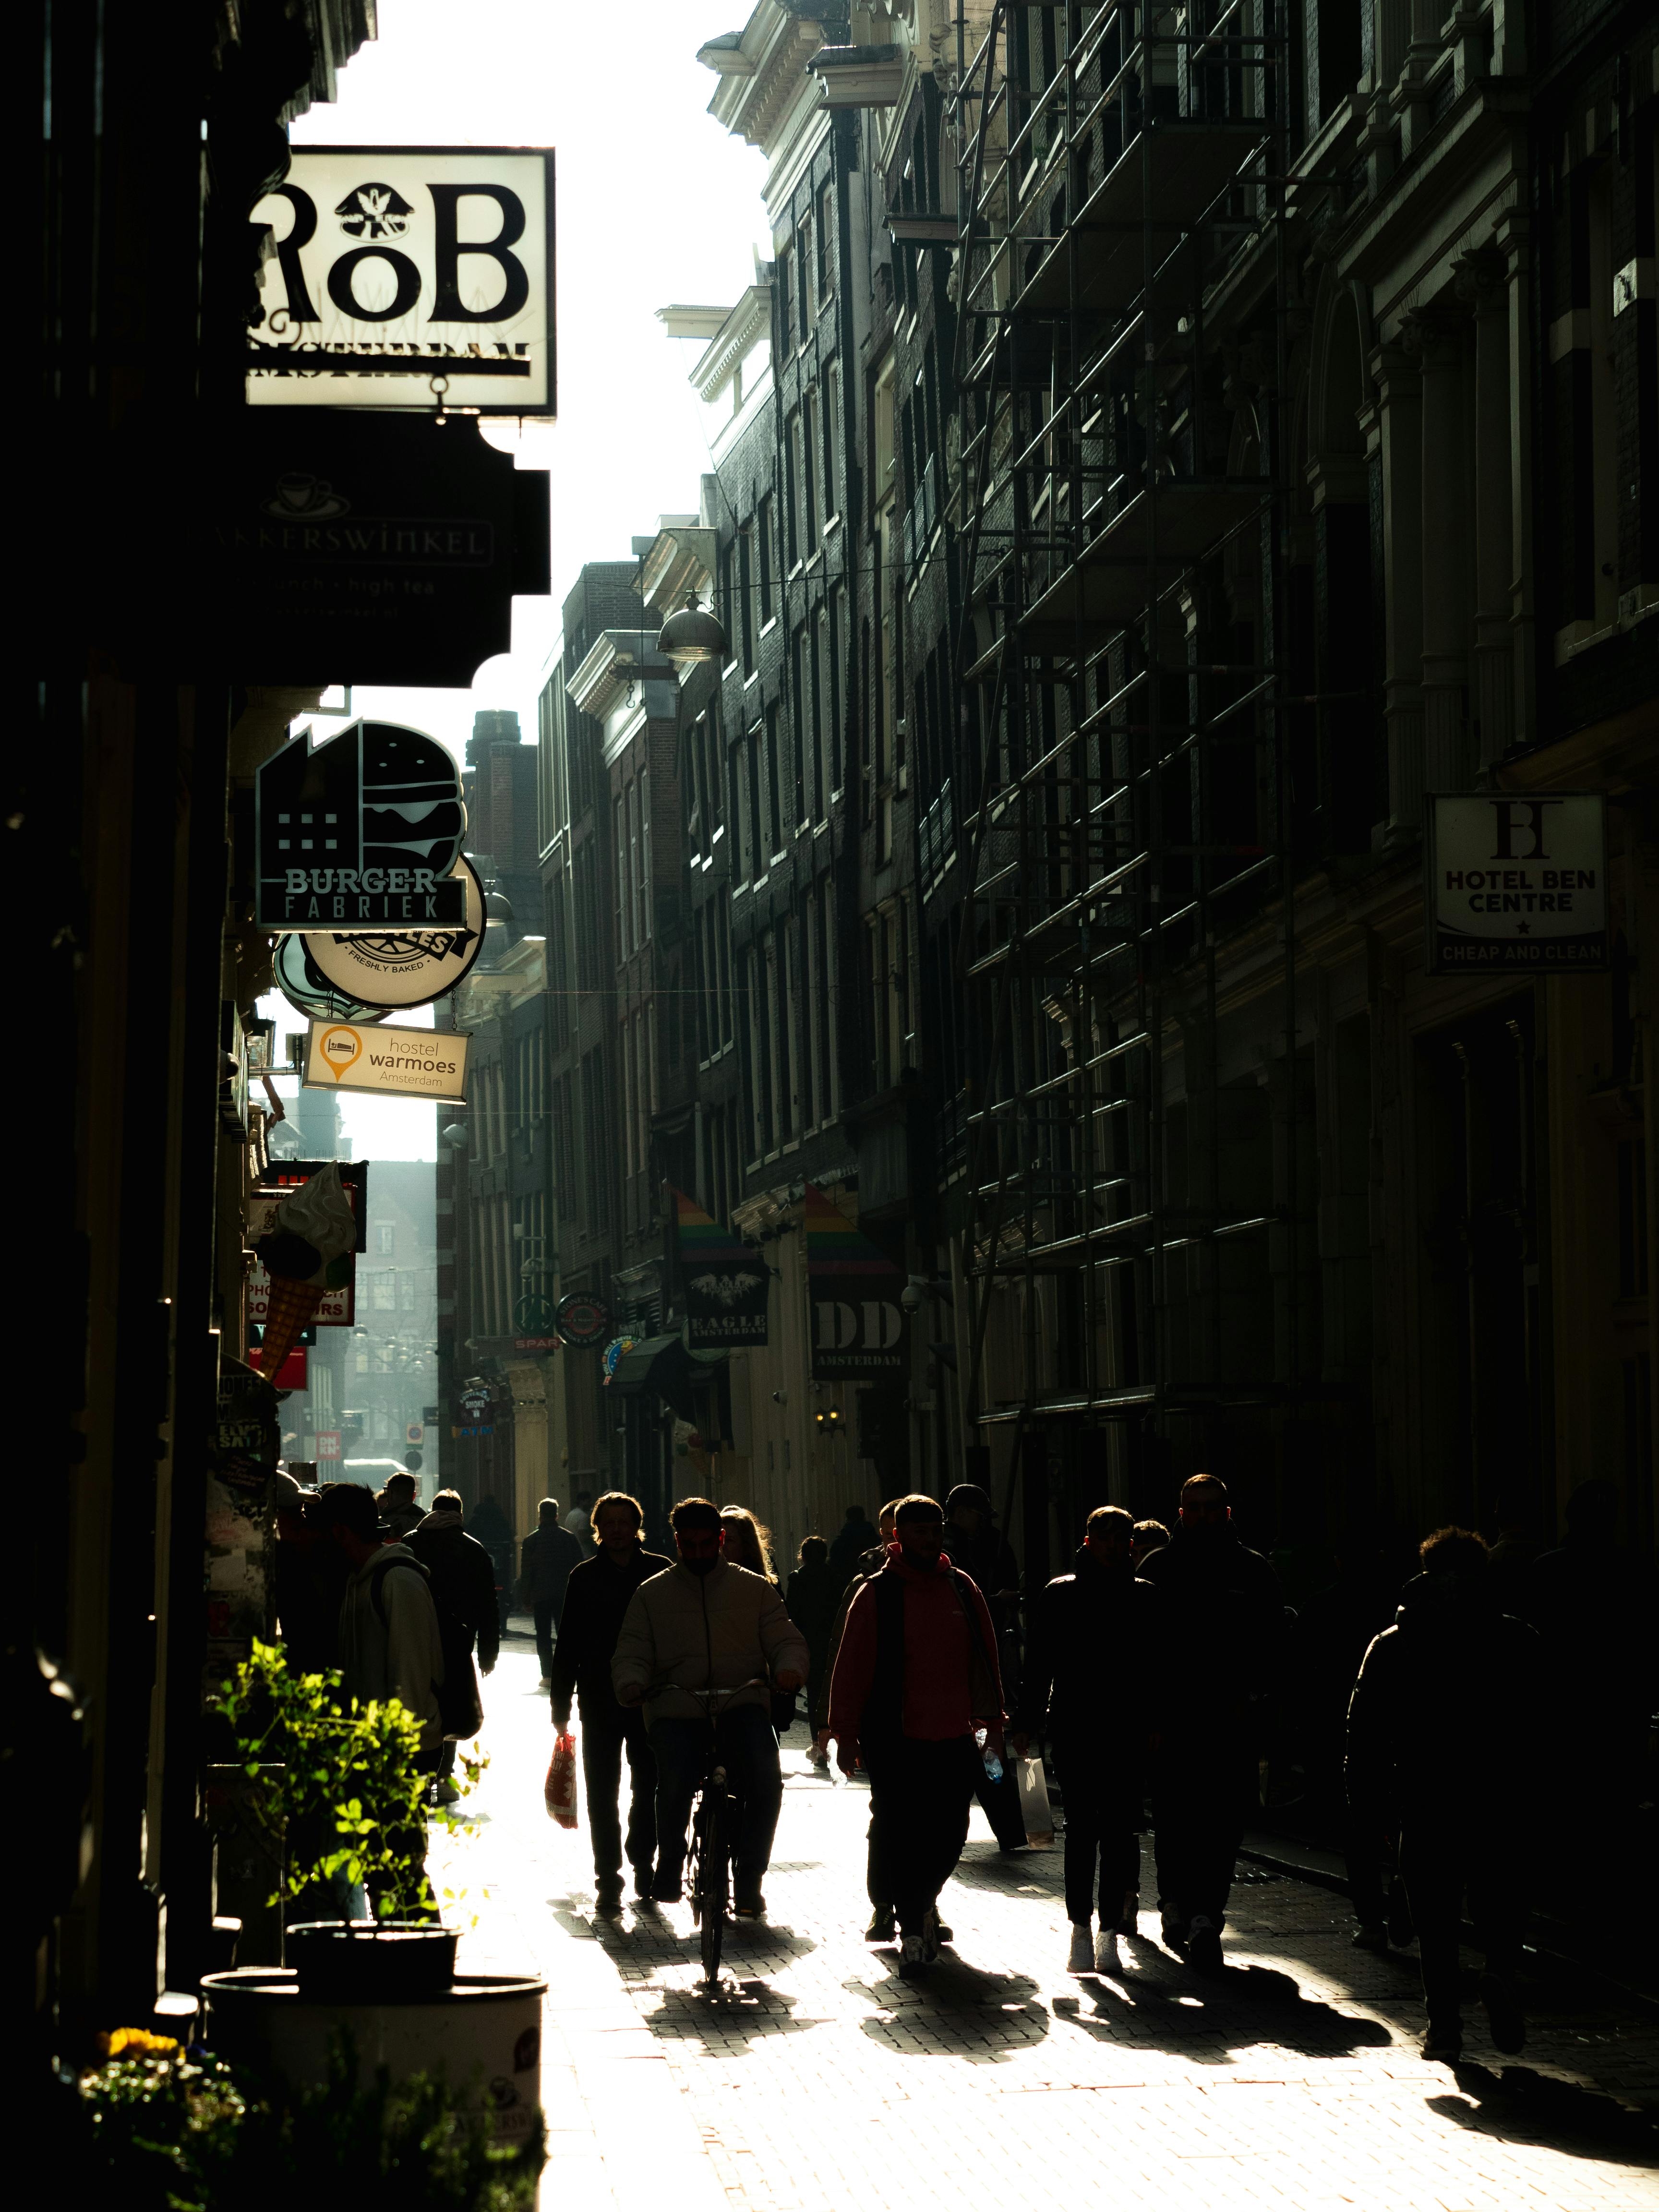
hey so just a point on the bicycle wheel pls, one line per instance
(711, 1878)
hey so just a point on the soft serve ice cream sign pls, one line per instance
(408, 1063)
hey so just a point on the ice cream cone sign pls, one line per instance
(340, 1047)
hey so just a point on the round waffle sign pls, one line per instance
(396, 971)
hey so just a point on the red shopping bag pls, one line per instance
(560, 1788)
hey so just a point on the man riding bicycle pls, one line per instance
(707, 1625)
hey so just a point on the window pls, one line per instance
(745, 595)
(406, 1290)
(642, 873)
(384, 1286)
(766, 545)
(749, 865)
(727, 609)
(773, 823)
(385, 1237)
(800, 683)
(824, 238)
(833, 500)
(812, 508)
(619, 810)
(785, 280)
(837, 646)
(822, 659)
(800, 544)
(788, 1004)
(806, 265)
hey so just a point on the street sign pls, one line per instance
(414, 1432)
(407, 1063)
(328, 1445)
(1516, 883)
(584, 1320)
(533, 1313)
(408, 276)
(363, 831)
(398, 971)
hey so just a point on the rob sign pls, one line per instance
(397, 274)
(1515, 882)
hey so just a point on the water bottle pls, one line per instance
(992, 1764)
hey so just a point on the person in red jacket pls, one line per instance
(915, 1675)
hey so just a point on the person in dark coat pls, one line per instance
(489, 1525)
(596, 1600)
(813, 1601)
(977, 1548)
(545, 1561)
(462, 1580)
(1094, 1675)
(1444, 1733)
(1226, 1625)
(855, 1536)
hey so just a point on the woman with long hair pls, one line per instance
(749, 1544)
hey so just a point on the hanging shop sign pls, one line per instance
(861, 1331)
(388, 549)
(395, 971)
(407, 1063)
(398, 276)
(337, 1309)
(1515, 882)
(724, 1283)
(583, 1321)
(309, 992)
(612, 1356)
(363, 831)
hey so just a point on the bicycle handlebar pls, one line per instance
(711, 1690)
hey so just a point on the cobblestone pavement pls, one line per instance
(814, 2078)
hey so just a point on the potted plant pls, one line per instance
(338, 1790)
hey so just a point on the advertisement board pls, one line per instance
(1517, 883)
(407, 1063)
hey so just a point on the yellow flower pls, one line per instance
(136, 2041)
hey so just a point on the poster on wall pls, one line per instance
(1515, 882)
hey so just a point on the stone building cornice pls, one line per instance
(761, 70)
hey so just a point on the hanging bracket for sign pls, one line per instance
(391, 265)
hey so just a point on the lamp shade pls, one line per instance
(691, 634)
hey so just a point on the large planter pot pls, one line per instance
(483, 2032)
(371, 1961)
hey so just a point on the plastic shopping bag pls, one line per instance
(1034, 1802)
(560, 1788)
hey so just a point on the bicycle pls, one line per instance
(713, 1824)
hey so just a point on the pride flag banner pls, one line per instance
(861, 1332)
(726, 1283)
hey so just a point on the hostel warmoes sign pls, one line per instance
(1515, 881)
(394, 272)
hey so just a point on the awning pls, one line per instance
(662, 1365)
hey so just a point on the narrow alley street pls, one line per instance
(815, 2079)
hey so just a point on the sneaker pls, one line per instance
(664, 1888)
(1442, 2042)
(945, 1935)
(1204, 1945)
(1369, 1939)
(1106, 1958)
(643, 1879)
(1080, 1959)
(1508, 2029)
(1173, 1927)
(608, 1896)
(747, 1903)
(883, 1924)
(911, 1958)
(1128, 1920)
(930, 1936)
(446, 1793)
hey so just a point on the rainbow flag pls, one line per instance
(700, 1235)
(833, 1246)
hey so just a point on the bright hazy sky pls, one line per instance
(655, 203)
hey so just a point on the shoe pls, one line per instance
(608, 1898)
(911, 1958)
(665, 1889)
(446, 1793)
(818, 1758)
(883, 1924)
(1204, 1945)
(1503, 2018)
(643, 1878)
(1128, 1920)
(1080, 1959)
(1173, 1927)
(1106, 1958)
(945, 1935)
(1369, 1939)
(747, 1903)
(1442, 2042)
(546, 1682)
(930, 1936)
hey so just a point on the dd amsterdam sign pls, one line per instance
(1516, 882)
(363, 832)
(399, 274)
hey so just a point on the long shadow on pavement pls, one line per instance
(1157, 2003)
(961, 2011)
(1519, 2105)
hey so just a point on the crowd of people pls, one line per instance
(1151, 1672)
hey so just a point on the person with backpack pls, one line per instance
(462, 1580)
(915, 1675)
(545, 1560)
(390, 1642)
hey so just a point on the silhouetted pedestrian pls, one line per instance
(545, 1560)
(855, 1536)
(813, 1601)
(595, 1602)
(977, 1547)
(1094, 1675)
(915, 1676)
(1226, 1630)
(463, 1583)
(1445, 1735)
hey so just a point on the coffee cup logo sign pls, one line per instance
(363, 831)
(392, 267)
